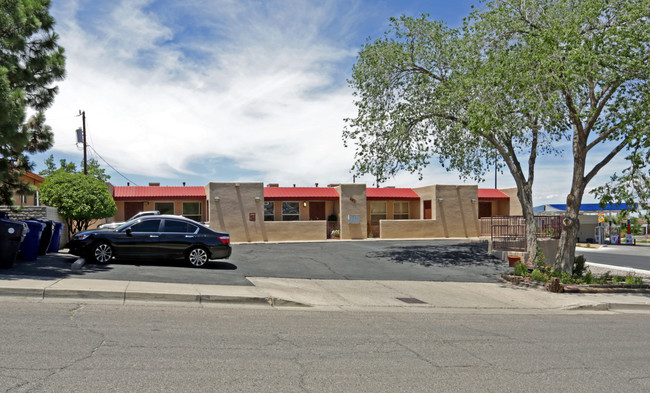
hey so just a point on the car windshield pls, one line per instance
(124, 226)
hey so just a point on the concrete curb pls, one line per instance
(60, 289)
(576, 288)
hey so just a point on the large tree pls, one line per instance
(93, 168)
(30, 62)
(517, 78)
(80, 199)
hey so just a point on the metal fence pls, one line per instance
(508, 233)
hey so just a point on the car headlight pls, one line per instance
(82, 236)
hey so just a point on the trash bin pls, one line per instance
(29, 248)
(12, 234)
(56, 237)
(46, 238)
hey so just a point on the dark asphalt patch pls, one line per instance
(462, 254)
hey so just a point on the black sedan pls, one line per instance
(163, 236)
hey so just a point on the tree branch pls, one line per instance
(605, 161)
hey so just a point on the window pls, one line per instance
(269, 211)
(165, 207)
(192, 210)
(146, 226)
(179, 227)
(377, 212)
(400, 210)
(290, 211)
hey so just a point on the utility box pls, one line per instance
(354, 219)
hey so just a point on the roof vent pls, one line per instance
(273, 185)
(154, 184)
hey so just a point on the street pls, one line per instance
(637, 257)
(101, 348)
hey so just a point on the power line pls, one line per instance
(112, 167)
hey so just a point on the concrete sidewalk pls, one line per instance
(344, 295)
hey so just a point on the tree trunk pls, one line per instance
(525, 196)
(570, 226)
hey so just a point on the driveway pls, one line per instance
(426, 260)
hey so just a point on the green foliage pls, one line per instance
(92, 165)
(618, 279)
(540, 259)
(588, 278)
(521, 270)
(515, 80)
(79, 198)
(633, 280)
(30, 62)
(579, 265)
(537, 275)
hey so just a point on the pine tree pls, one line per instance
(31, 60)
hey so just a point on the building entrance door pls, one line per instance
(132, 208)
(317, 211)
(484, 209)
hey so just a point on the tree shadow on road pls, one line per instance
(462, 254)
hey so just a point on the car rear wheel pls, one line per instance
(102, 252)
(197, 257)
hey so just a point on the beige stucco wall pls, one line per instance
(296, 230)
(454, 214)
(515, 205)
(427, 193)
(353, 201)
(232, 212)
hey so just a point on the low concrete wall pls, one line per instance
(404, 229)
(296, 230)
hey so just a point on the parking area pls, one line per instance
(425, 260)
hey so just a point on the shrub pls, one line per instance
(538, 276)
(579, 265)
(521, 270)
(336, 233)
(632, 280)
(618, 279)
(588, 278)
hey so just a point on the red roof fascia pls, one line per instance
(392, 194)
(300, 194)
(158, 193)
(491, 194)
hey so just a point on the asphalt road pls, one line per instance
(100, 348)
(637, 257)
(430, 260)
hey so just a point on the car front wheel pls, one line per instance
(102, 253)
(197, 257)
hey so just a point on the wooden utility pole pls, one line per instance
(83, 122)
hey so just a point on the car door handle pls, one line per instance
(189, 235)
(154, 236)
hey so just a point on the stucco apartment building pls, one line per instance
(252, 212)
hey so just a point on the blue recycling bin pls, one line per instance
(56, 237)
(46, 237)
(29, 248)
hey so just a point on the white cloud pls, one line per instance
(259, 84)
(151, 110)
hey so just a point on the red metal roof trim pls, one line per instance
(146, 193)
(392, 194)
(300, 194)
(491, 194)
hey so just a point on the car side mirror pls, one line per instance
(128, 231)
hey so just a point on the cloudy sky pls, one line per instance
(230, 90)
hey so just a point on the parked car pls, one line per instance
(157, 236)
(113, 225)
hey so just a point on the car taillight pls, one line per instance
(225, 239)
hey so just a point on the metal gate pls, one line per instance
(508, 233)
